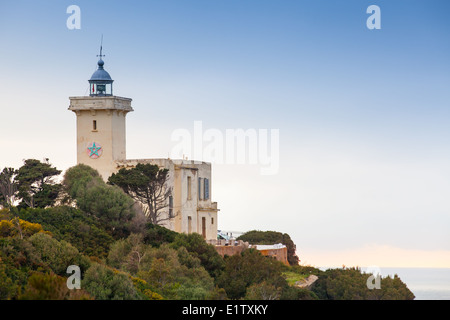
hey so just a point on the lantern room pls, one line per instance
(100, 84)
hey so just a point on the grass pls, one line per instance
(293, 277)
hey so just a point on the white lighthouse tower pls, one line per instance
(101, 117)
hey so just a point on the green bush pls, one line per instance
(58, 255)
(50, 287)
(84, 232)
(103, 283)
(272, 237)
(156, 235)
(206, 253)
(106, 202)
(247, 269)
(351, 284)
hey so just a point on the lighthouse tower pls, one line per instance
(101, 123)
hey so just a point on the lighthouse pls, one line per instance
(101, 123)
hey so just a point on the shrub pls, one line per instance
(84, 232)
(156, 235)
(51, 287)
(58, 255)
(247, 269)
(93, 196)
(19, 228)
(106, 284)
(197, 246)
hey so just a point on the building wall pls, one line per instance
(172, 224)
(189, 211)
(229, 250)
(118, 123)
(198, 214)
(109, 114)
(187, 205)
(279, 253)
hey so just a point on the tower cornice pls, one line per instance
(100, 103)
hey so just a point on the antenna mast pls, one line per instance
(101, 48)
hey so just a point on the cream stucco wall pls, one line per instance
(188, 211)
(109, 114)
(197, 208)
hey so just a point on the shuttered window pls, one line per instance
(206, 189)
(189, 188)
(170, 207)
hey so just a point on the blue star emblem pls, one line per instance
(94, 150)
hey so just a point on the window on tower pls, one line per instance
(98, 89)
(101, 88)
(171, 207)
(189, 194)
(94, 125)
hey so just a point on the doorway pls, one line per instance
(204, 227)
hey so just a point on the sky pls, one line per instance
(363, 115)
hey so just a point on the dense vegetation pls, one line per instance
(272, 237)
(122, 255)
(350, 283)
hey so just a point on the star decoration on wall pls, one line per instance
(95, 151)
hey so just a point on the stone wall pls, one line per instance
(229, 250)
(280, 254)
(232, 247)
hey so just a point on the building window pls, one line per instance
(199, 188)
(206, 189)
(189, 194)
(204, 227)
(94, 125)
(170, 207)
(212, 220)
(189, 224)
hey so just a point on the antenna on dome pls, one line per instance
(101, 48)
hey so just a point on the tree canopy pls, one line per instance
(146, 184)
(241, 273)
(36, 184)
(92, 195)
(8, 187)
(33, 184)
(351, 284)
(272, 237)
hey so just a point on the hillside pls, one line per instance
(121, 256)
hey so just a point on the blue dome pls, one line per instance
(100, 74)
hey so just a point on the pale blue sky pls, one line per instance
(363, 114)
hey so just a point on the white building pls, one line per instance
(101, 144)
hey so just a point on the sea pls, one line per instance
(425, 283)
